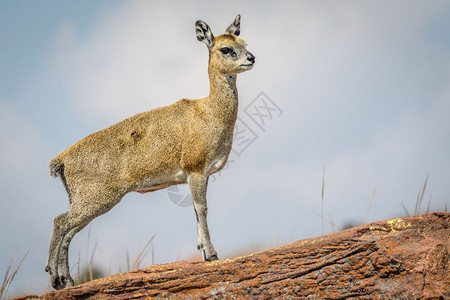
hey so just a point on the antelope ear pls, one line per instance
(235, 27)
(204, 33)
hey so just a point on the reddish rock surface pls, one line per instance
(395, 259)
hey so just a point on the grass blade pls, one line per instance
(371, 200)
(141, 255)
(91, 262)
(8, 279)
(420, 196)
(323, 193)
(128, 261)
(406, 211)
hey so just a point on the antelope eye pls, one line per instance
(225, 50)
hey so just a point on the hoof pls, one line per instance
(214, 257)
(62, 282)
(205, 256)
(54, 279)
(57, 284)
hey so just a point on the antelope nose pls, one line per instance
(251, 58)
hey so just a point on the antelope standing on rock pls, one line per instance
(184, 142)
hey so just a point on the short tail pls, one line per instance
(56, 167)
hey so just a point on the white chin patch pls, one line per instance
(243, 68)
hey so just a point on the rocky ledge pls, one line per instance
(394, 259)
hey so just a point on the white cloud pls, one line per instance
(18, 138)
(137, 58)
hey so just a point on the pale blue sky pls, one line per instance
(364, 88)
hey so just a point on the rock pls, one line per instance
(394, 259)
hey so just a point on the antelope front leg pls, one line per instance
(198, 184)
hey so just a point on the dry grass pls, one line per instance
(348, 224)
(420, 196)
(371, 200)
(91, 271)
(9, 277)
(142, 254)
(323, 193)
(419, 201)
